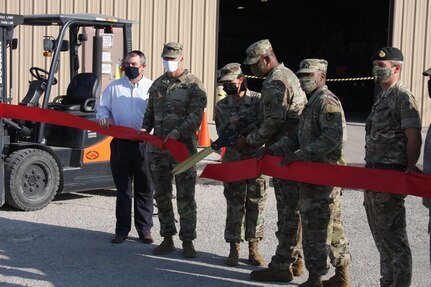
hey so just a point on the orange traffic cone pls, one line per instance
(204, 136)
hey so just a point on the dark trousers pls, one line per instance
(130, 168)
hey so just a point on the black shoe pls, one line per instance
(118, 239)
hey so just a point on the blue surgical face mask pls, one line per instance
(132, 72)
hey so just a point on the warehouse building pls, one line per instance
(216, 32)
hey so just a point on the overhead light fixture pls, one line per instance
(240, 8)
(263, 0)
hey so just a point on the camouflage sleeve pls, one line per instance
(331, 132)
(221, 118)
(259, 118)
(198, 102)
(148, 121)
(286, 144)
(409, 112)
(274, 114)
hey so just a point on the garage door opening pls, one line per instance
(312, 29)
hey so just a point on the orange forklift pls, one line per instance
(40, 160)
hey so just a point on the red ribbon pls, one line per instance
(178, 150)
(384, 180)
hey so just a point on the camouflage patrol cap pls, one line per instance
(427, 72)
(256, 50)
(172, 50)
(308, 66)
(230, 72)
(388, 53)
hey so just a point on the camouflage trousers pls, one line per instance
(161, 165)
(289, 248)
(245, 202)
(339, 251)
(427, 169)
(386, 216)
(322, 229)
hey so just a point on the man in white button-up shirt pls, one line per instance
(123, 103)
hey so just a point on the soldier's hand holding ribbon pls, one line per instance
(290, 157)
(413, 169)
(261, 152)
(242, 143)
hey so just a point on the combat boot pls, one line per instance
(298, 267)
(313, 281)
(188, 249)
(232, 259)
(340, 279)
(254, 256)
(269, 274)
(165, 247)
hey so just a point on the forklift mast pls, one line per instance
(7, 24)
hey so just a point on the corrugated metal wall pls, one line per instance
(191, 22)
(412, 34)
(194, 23)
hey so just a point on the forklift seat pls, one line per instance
(36, 89)
(80, 96)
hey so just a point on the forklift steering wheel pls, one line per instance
(41, 74)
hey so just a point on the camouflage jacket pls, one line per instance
(393, 112)
(321, 132)
(176, 105)
(282, 103)
(247, 110)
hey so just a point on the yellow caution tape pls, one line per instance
(351, 79)
(329, 80)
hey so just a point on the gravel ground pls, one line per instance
(68, 242)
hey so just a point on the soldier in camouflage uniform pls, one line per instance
(282, 102)
(427, 157)
(320, 137)
(240, 111)
(392, 141)
(176, 103)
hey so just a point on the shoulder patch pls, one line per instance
(268, 106)
(330, 117)
(331, 104)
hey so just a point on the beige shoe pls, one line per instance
(165, 247)
(298, 267)
(254, 256)
(232, 259)
(340, 279)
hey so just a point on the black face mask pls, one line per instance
(230, 88)
(131, 72)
